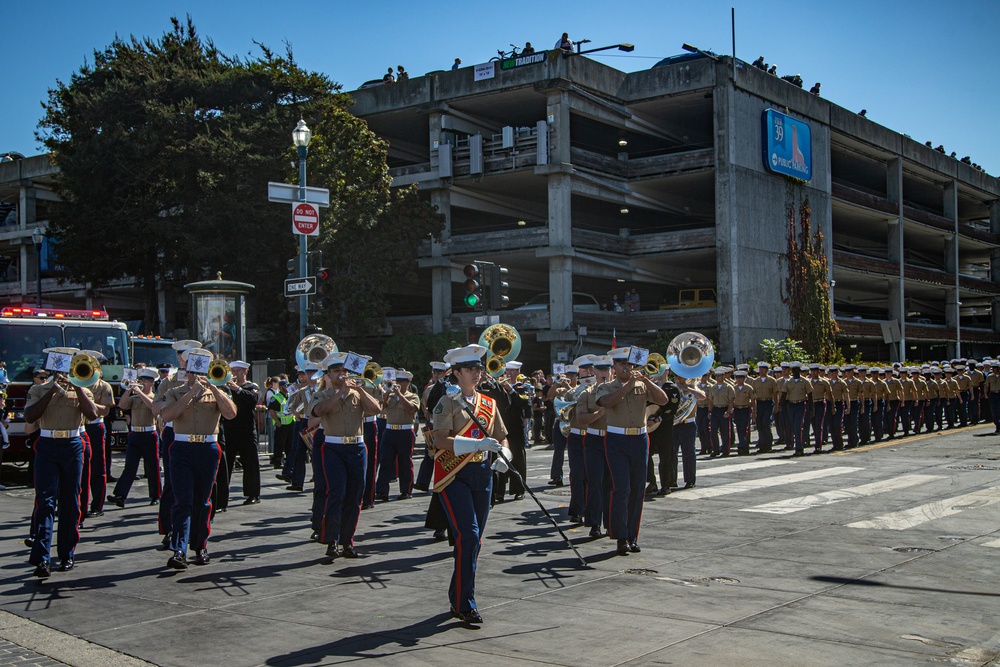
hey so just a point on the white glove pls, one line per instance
(500, 465)
(470, 445)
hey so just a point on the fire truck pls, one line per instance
(25, 331)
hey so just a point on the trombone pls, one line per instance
(218, 372)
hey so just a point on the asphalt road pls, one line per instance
(886, 555)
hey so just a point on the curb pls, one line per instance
(60, 646)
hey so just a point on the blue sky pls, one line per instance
(924, 68)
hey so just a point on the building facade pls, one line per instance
(587, 183)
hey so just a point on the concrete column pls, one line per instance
(557, 114)
(441, 274)
(26, 218)
(897, 293)
(434, 124)
(726, 224)
(560, 292)
(897, 312)
(952, 261)
(560, 221)
(995, 254)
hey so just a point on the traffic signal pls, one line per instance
(473, 286)
(324, 289)
(499, 287)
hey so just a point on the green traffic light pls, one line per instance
(471, 300)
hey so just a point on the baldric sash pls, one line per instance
(446, 464)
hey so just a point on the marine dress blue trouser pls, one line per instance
(98, 466)
(141, 445)
(193, 467)
(371, 442)
(342, 466)
(58, 466)
(627, 457)
(397, 460)
(595, 463)
(558, 452)
(167, 493)
(577, 474)
(466, 502)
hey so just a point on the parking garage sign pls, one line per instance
(787, 145)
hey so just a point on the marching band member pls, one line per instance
(400, 405)
(142, 439)
(98, 469)
(195, 410)
(574, 443)
(463, 478)
(627, 446)
(341, 407)
(58, 408)
(438, 370)
(595, 460)
(241, 433)
(565, 385)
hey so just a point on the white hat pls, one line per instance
(601, 361)
(833, 368)
(331, 360)
(61, 350)
(794, 364)
(239, 364)
(184, 345)
(570, 368)
(619, 353)
(581, 362)
(403, 374)
(814, 367)
(862, 368)
(95, 354)
(147, 374)
(309, 367)
(763, 364)
(514, 365)
(439, 366)
(742, 367)
(786, 364)
(720, 370)
(848, 367)
(740, 374)
(470, 354)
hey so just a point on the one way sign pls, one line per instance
(300, 286)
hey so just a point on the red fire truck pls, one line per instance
(25, 331)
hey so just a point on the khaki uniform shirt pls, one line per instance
(933, 390)
(909, 389)
(630, 411)
(949, 388)
(963, 381)
(347, 418)
(855, 388)
(103, 395)
(298, 401)
(200, 417)
(704, 385)
(796, 390)
(395, 413)
(63, 412)
(142, 415)
(921, 386)
(449, 415)
(992, 383)
(743, 396)
(720, 395)
(976, 378)
(882, 391)
(840, 390)
(867, 388)
(764, 388)
(588, 402)
(821, 390)
(895, 389)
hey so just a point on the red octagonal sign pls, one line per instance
(305, 219)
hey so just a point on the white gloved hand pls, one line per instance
(500, 465)
(490, 445)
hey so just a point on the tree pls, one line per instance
(165, 148)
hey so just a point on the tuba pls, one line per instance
(218, 372)
(84, 370)
(496, 366)
(501, 340)
(564, 408)
(314, 348)
(690, 355)
(656, 366)
(372, 375)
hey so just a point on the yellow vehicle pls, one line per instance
(701, 297)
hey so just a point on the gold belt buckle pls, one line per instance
(196, 438)
(60, 434)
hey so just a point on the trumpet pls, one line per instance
(125, 384)
(84, 370)
(218, 372)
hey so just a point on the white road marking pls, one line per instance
(752, 484)
(838, 495)
(736, 467)
(931, 511)
(992, 543)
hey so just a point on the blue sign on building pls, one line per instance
(787, 145)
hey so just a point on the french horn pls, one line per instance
(84, 370)
(314, 348)
(218, 372)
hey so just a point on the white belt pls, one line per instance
(143, 429)
(369, 420)
(190, 437)
(578, 431)
(168, 425)
(399, 427)
(345, 440)
(46, 433)
(594, 431)
(641, 430)
(99, 420)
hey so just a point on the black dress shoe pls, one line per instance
(651, 489)
(118, 501)
(314, 537)
(382, 497)
(293, 487)
(350, 552)
(634, 547)
(111, 478)
(404, 496)
(66, 565)
(665, 491)
(95, 513)
(555, 482)
(472, 616)
(202, 558)
(421, 487)
(154, 501)
(575, 518)
(518, 496)
(441, 534)
(367, 506)
(623, 548)
(29, 542)
(595, 533)
(43, 571)
(689, 486)
(283, 478)
(253, 500)
(178, 561)
(332, 551)
(164, 543)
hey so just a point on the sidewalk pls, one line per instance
(28, 644)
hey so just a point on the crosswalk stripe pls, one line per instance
(992, 543)
(736, 467)
(751, 484)
(837, 495)
(931, 511)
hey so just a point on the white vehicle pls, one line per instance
(582, 303)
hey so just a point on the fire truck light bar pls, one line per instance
(55, 313)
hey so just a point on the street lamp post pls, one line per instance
(301, 136)
(37, 237)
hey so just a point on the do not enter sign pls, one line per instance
(305, 219)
